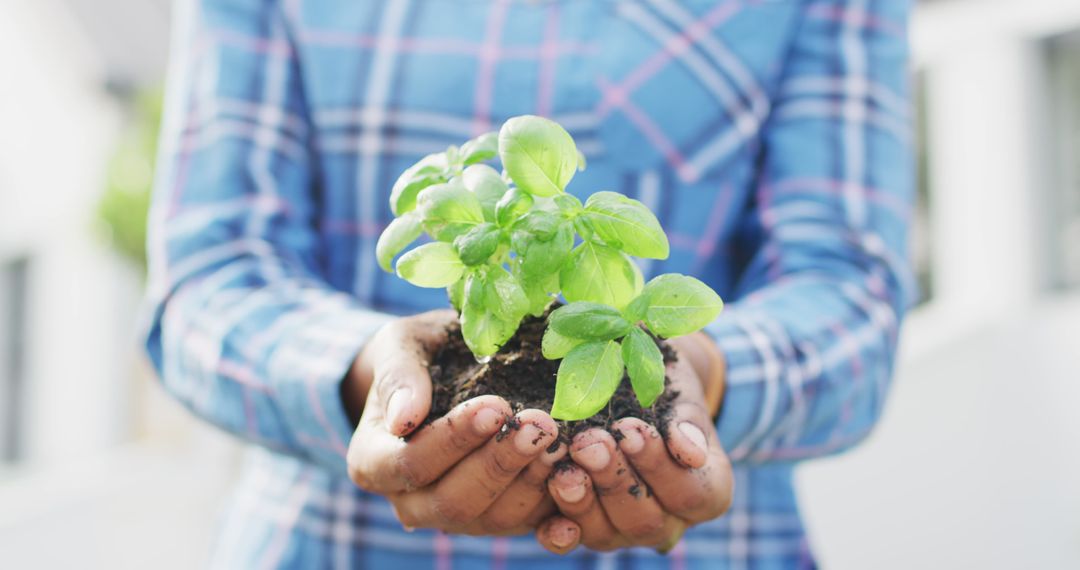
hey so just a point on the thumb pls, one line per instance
(404, 388)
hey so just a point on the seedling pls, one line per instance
(506, 245)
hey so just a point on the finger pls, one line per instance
(402, 387)
(382, 463)
(471, 486)
(625, 497)
(572, 490)
(517, 504)
(692, 494)
(559, 535)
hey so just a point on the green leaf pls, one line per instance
(396, 237)
(487, 185)
(555, 346)
(599, 274)
(588, 377)
(479, 149)
(538, 153)
(590, 321)
(429, 171)
(449, 210)
(484, 331)
(431, 265)
(456, 292)
(627, 225)
(644, 365)
(542, 257)
(537, 225)
(540, 289)
(676, 305)
(513, 205)
(568, 204)
(503, 295)
(478, 244)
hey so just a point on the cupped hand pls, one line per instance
(456, 474)
(644, 489)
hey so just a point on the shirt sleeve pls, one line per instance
(245, 329)
(810, 336)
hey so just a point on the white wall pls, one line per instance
(57, 132)
(976, 461)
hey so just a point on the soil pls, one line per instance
(521, 375)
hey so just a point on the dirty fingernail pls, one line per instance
(593, 457)
(395, 408)
(694, 434)
(632, 442)
(563, 536)
(572, 492)
(529, 437)
(486, 421)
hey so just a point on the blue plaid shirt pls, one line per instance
(771, 137)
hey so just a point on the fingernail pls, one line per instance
(529, 437)
(486, 421)
(593, 457)
(395, 408)
(694, 434)
(572, 493)
(563, 536)
(632, 442)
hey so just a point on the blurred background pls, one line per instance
(976, 462)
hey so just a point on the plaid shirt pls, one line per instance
(771, 137)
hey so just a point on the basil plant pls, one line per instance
(505, 245)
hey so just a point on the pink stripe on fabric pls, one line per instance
(485, 77)
(320, 414)
(836, 187)
(294, 507)
(500, 549)
(677, 556)
(251, 427)
(676, 45)
(250, 43)
(548, 61)
(652, 132)
(242, 374)
(855, 17)
(442, 46)
(444, 551)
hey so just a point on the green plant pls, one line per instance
(506, 245)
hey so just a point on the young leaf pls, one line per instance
(587, 378)
(449, 210)
(512, 206)
(478, 244)
(396, 237)
(540, 289)
(504, 296)
(555, 346)
(431, 265)
(536, 225)
(676, 305)
(479, 149)
(644, 365)
(484, 331)
(599, 274)
(590, 321)
(543, 257)
(456, 292)
(627, 225)
(487, 185)
(538, 153)
(568, 204)
(429, 171)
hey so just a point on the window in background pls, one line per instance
(1064, 210)
(921, 227)
(13, 292)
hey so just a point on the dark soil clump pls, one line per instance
(521, 375)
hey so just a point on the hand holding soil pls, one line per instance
(631, 486)
(459, 473)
